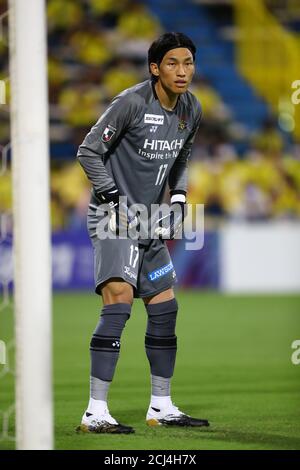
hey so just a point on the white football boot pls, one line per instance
(103, 423)
(170, 415)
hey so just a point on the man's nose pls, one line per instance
(181, 70)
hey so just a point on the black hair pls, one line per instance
(165, 43)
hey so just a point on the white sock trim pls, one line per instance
(96, 406)
(160, 402)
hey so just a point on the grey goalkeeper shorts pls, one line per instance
(148, 268)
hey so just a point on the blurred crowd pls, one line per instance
(287, 12)
(96, 48)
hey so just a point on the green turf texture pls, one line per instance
(233, 367)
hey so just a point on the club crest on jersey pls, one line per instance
(182, 125)
(157, 119)
(108, 133)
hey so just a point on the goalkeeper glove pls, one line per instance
(109, 196)
(169, 225)
(119, 214)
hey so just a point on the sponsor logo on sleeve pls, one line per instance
(157, 119)
(108, 133)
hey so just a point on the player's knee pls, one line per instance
(112, 320)
(117, 292)
(162, 318)
(164, 324)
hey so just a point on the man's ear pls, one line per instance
(154, 69)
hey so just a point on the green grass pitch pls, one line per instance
(233, 367)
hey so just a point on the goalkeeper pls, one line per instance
(140, 145)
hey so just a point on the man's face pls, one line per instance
(176, 70)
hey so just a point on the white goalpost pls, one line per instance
(32, 254)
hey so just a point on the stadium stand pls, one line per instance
(244, 165)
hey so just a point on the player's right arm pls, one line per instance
(101, 139)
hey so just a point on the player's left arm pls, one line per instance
(178, 176)
(178, 183)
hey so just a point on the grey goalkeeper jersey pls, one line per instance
(139, 146)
